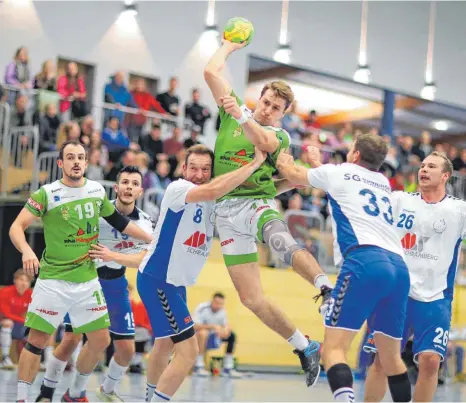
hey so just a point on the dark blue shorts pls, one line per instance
(166, 306)
(372, 283)
(428, 323)
(119, 308)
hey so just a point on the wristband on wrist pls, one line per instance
(245, 115)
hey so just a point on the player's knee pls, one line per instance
(277, 236)
(429, 364)
(251, 301)
(100, 342)
(125, 349)
(70, 342)
(377, 364)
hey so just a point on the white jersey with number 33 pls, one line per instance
(360, 205)
(430, 234)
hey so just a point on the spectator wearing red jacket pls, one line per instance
(72, 86)
(14, 301)
(145, 102)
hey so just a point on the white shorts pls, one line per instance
(52, 299)
(239, 224)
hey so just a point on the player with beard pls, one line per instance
(115, 287)
(431, 225)
(69, 209)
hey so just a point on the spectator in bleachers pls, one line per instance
(153, 145)
(411, 183)
(14, 301)
(94, 170)
(95, 143)
(197, 112)
(177, 164)
(391, 160)
(193, 140)
(128, 158)
(310, 123)
(174, 144)
(47, 78)
(72, 88)
(116, 92)
(405, 151)
(424, 146)
(87, 128)
(293, 123)
(397, 182)
(162, 171)
(17, 72)
(68, 131)
(20, 114)
(169, 100)
(114, 138)
(48, 128)
(149, 178)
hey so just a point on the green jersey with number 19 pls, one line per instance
(233, 150)
(70, 218)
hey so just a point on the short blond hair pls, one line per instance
(447, 165)
(281, 90)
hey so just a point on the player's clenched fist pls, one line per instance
(313, 155)
(284, 159)
(30, 263)
(230, 104)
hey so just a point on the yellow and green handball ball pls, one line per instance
(239, 30)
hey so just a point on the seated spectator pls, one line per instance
(169, 101)
(153, 145)
(174, 144)
(48, 128)
(18, 73)
(68, 131)
(293, 123)
(198, 113)
(114, 138)
(212, 329)
(95, 171)
(149, 178)
(95, 143)
(46, 79)
(87, 128)
(192, 141)
(20, 114)
(128, 158)
(14, 301)
(424, 147)
(116, 92)
(72, 88)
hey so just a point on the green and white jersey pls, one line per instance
(71, 224)
(233, 150)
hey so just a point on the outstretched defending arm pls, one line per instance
(106, 255)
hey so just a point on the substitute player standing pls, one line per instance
(183, 238)
(249, 212)
(431, 225)
(70, 210)
(373, 280)
(128, 189)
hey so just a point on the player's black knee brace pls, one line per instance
(277, 235)
(231, 340)
(33, 349)
(400, 388)
(340, 376)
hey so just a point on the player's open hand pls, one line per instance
(313, 154)
(30, 263)
(259, 155)
(232, 46)
(284, 159)
(230, 104)
(100, 253)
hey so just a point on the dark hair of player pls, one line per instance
(70, 143)
(130, 169)
(373, 150)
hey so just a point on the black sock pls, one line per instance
(340, 379)
(47, 392)
(400, 388)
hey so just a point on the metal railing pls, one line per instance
(457, 185)
(46, 163)
(4, 120)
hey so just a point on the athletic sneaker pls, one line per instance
(201, 371)
(107, 397)
(7, 363)
(67, 398)
(310, 362)
(46, 394)
(326, 294)
(231, 373)
(137, 369)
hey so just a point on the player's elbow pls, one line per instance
(209, 73)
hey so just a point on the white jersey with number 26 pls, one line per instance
(360, 205)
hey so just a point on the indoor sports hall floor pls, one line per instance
(257, 388)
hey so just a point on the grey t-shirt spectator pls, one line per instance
(203, 315)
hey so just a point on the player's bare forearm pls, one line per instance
(213, 76)
(296, 174)
(128, 260)
(264, 139)
(283, 185)
(133, 230)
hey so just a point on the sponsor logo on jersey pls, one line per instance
(238, 131)
(93, 191)
(57, 190)
(227, 242)
(440, 226)
(65, 213)
(98, 308)
(35, 204)
(414, 246)
(196, 244)
(234, 158)
(187, 320)
(47, 311)
(124, 245)
(81, 236)
(56, 198)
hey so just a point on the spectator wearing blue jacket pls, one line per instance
(117, 93)
(114, 138)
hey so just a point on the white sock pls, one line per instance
(79, 384)
(160, 397)
(54, 372)
(228, 362)
(137, 359)
(344, 395)
(298, 341)
(23, 390)
(48, 354)
(200, 361)
(74, 356)
(321, 280)
(114, 374)
(149, 391)
(5, 340)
